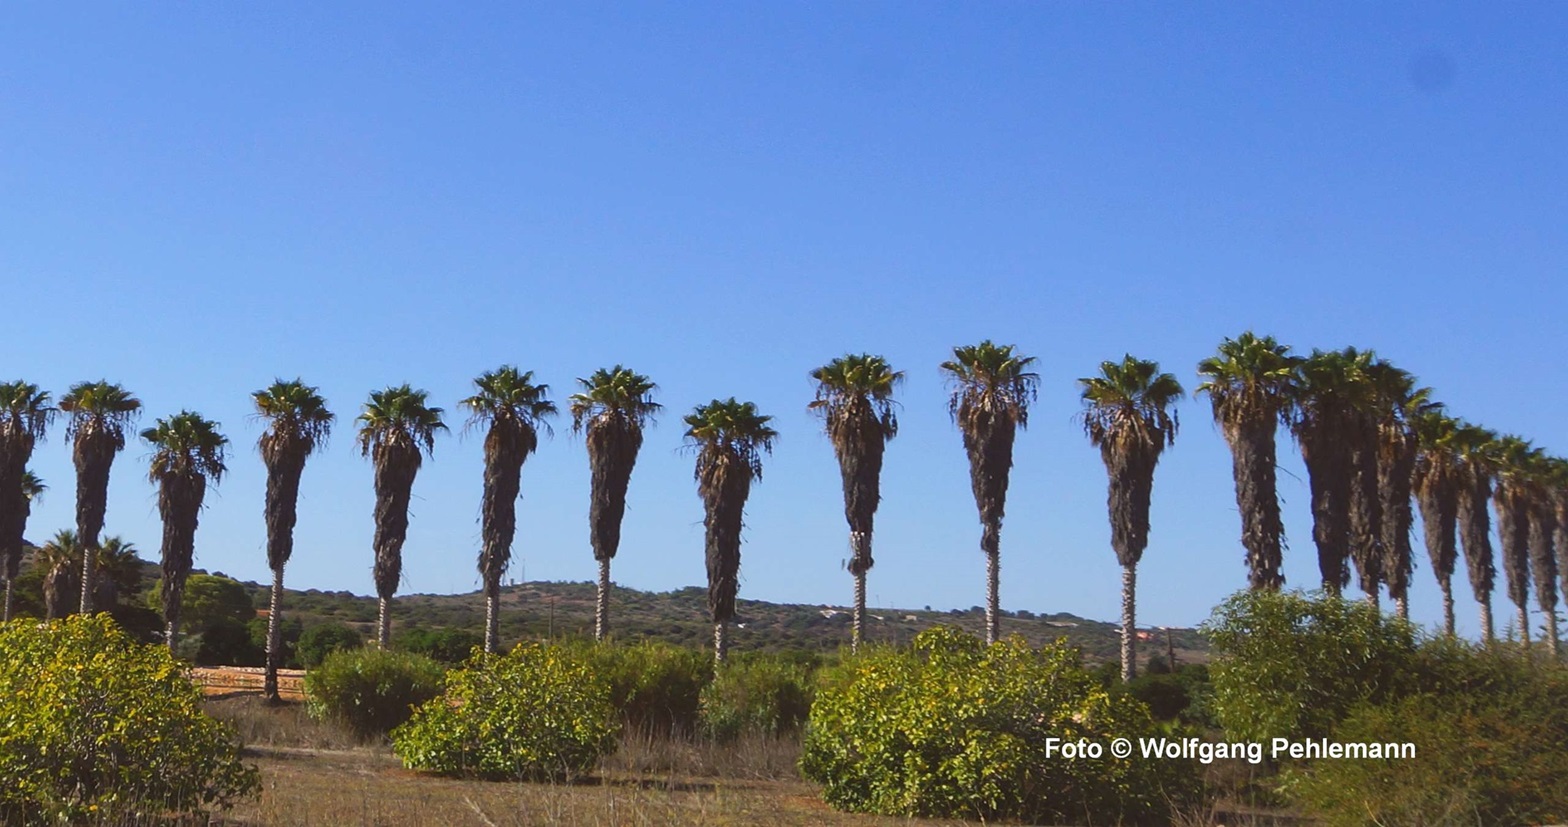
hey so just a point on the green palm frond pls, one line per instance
(24, 410)
(613, 393)
(724, 430)
(854, 390)
(296, 415)
(33, 486)
(399, 416)
(186, 444)
(1249, 379)
(509, 397)
(99, 406)
(1129, 402)
(990, 380)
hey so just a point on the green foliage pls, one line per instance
(227, 642)
(95, 726)
(1292, 665)
(762, 695)
(319, 641)
(538, 712)
(1487, 730)
(445, 645)
(290, 631)
(208, 598)
(1174, 696)
(654, 687)
(955, 729)
(371, 691)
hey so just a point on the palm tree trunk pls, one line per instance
(1448, 609)
(601, 608)
(1551, 635)
(384, 625)
(8, 599)
(990, 542)
(89, 557)
(1129, 627)
(857, 628)
(720, 646)
(1487, 634)
(171, 629)
(269, 689)
(1402, 607)
(1373, 601)
(492, 620)
(1524, 629)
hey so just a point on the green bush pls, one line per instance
(94, 725)
(764, 695)
(955, 729)
(1487, 731)
(538, 712)
(655, 687)
(446, 645)
(1291, 665)
(371, 691)
(319, 641)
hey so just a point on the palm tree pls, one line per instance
(514, 408)
(611, 410)
(1329, 394)
(32, 489)
(1398, 404)
(119, 571)
(730, 438)
(99, 413)
(24, 415)
(61, 561)
(1475, 448)
(1127, 417)
(298, 423)
(395, 425)
(188, 453)
(1511, 501)
(1248, 386)
(855, 400)
(1437, 480)
(992, 391)
(1540, 494)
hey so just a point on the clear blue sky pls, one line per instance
(197, 198)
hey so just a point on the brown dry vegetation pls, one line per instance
(316, 774)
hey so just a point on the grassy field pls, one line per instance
(315, 774)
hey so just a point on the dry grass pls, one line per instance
(314, 773)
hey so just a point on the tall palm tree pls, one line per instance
(1437, 480)
(1558, 495)
(1328, 397)
(730, 438)
(1511, 501)
(394, 427)
(119, 571)
(515, 409)
(298, 423)
(855, 400)
(24, 416)
(100, 412)
(611, 410)
(188, 454)
(1541, 499)
(1398, 404)
(1476, 447)
(1248, 386)
(992, 391)
(61, 561)
(32, 489)
(1127, 416)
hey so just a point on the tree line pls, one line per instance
(1372, 440)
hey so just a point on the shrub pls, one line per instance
(371, 691)
(446, 645)
(955, 729)
(538, 712)
(99, 726)
(1487, 730)
(763, 695)
(655, 687)
(317, 642)
(1291, 665)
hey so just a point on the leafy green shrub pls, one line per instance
(655, 687)
(1291, 665)
(445, 645)
(319, 641)
(371, 691)
(1173, 696)
(955, 729)
(538, 712)
(1487, 730)
(95, 725)
(763, 695)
